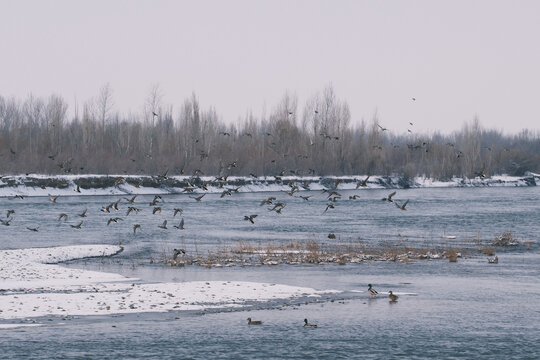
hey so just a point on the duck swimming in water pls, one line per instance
(251, 322)
(308, 325)
(393, 298)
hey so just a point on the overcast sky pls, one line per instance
(457, 58)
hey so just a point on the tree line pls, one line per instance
(37, 135)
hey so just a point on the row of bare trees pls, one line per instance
(38, 136)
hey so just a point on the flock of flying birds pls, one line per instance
(109, 208)
(194, 185)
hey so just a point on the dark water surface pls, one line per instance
(464, 310)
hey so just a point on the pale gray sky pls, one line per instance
(457, 58)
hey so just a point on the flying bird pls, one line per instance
(389, 198)
(363, 183)
(198, 198)
(9, 212)
(114, 220)
(277, 205)
(178, 211)
(164, 225)
(329, 206)
(181, 225)
(107, 209)
(226, 192)
(33, 229)
(250, 218)
(83, 214)
(132, 200)
(402, 207)
(115, 204)
(78, 226)
(63, 216)
(52, 199)
(267, 201)
(131, 209)
(135, 227)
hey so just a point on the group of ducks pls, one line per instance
(393, 297)
(258, 322)
(372, 292)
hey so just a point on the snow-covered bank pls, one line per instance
(42, 185)
(32, 286)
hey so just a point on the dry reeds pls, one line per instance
(295, 252)
(452, 255)
(487, 251)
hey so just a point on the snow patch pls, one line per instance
(34, 285)
(42, 185)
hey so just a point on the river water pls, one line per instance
(469, 309)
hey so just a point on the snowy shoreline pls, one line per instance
(33, 285)
(42, 185)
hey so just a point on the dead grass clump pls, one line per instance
(391, 254)
(487, 251)
(242, 247)
(296, 245)
(312, 248)
(452, 255)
